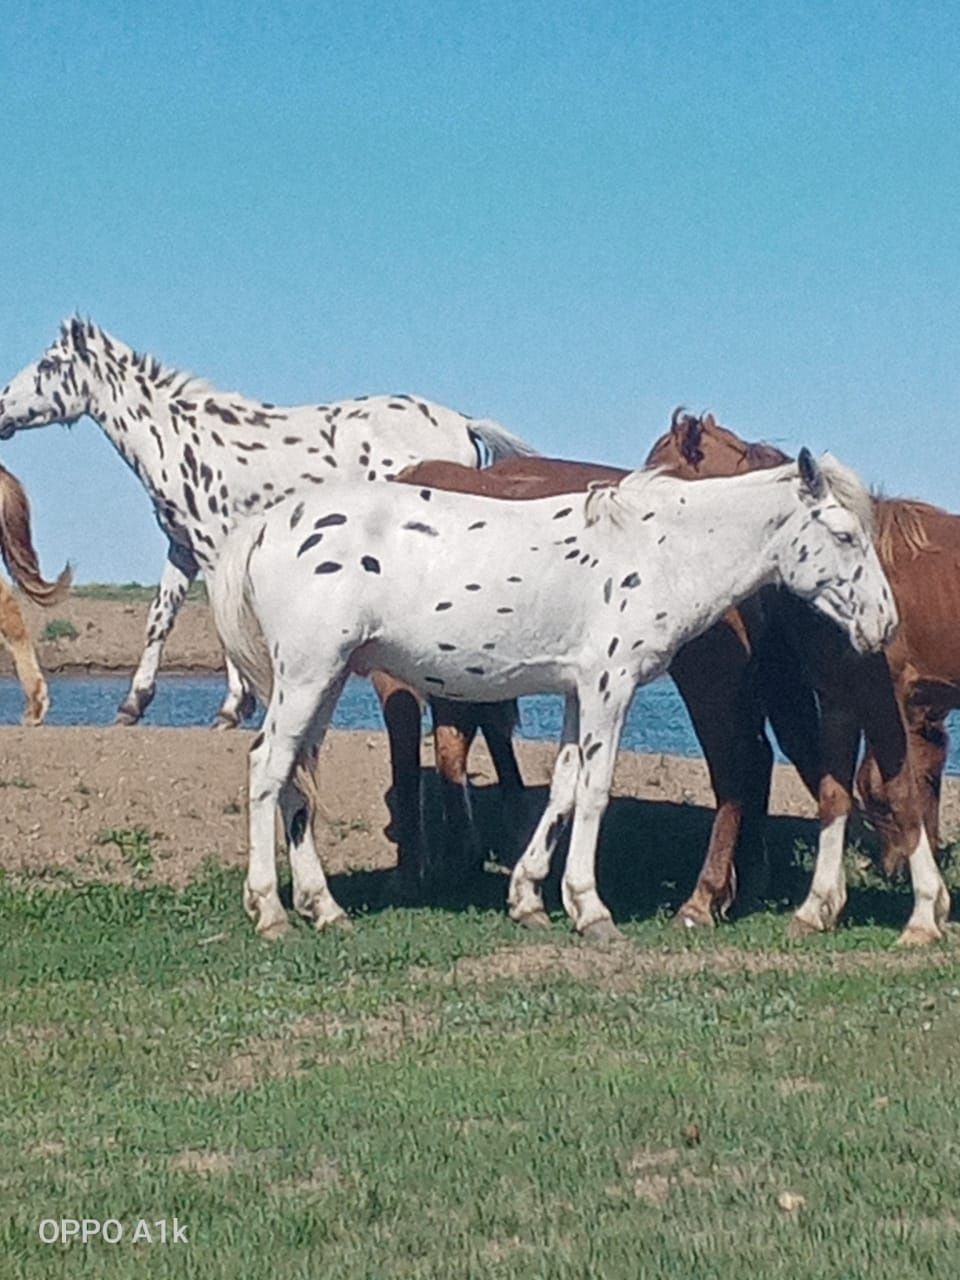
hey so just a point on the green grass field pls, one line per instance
(434, 1094)
(133, 592)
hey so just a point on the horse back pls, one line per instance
(513, 478)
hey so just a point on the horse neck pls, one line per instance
(723, 540)
(130, 407)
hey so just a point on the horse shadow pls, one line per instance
(649, 857)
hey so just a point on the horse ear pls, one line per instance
(811, 477)
(691, 433)
(708, 422)
(78, 337)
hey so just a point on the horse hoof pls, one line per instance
(798, 929)
(916, 935)
(339, 924)
(223, 722)
(274, 929)
(126, 718)
(534, 920)
(602, 933)
(691, 918)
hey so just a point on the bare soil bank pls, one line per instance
(76, 798)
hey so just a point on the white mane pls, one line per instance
(618, 503)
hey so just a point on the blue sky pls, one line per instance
(567, 216)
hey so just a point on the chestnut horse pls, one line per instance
(16, 547)
(793, 656)
(920, 548)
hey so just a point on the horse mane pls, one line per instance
(616, 503)
(901, 522)
(181, 381)
(849, 490)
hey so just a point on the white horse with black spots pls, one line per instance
(478, 599)
(205, 455)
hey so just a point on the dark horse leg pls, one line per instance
(401, 711)
(711, 674)
(455, 727)
(927, 743)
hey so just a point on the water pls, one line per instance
(657, 721)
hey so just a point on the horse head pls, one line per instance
(55, 388)
(825, 553)
(695, 448)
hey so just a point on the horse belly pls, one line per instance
(467, 675)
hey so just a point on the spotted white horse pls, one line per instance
(484, 600)
(204, 455)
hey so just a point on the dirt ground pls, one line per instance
(108, 802)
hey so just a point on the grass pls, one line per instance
(135, 845)
(132, 592)
(59, 629)
(435, 1094)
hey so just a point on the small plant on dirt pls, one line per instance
(59, 629)
(22, 784)
(134, 845)
(341, 828)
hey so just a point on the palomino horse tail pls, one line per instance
(229, 590)
(497, 441)
(16, 545)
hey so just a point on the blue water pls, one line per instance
(657, 721)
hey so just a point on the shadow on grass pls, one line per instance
(650, 855)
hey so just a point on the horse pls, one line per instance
(16, 547)
(481, 600)
(205, 455)
(793, 654)
(919, 546)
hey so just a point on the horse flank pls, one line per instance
(16, 545)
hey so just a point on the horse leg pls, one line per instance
(840, 737)
(525, 895)
(928, 745)
(13, 629)
(711, 675)
(401, 713)
(601, 723)
(311, 893)
(454, 728)
(179, 571)
(288, 730)
(239, 703)
(497, 723)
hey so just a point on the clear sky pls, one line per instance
(565, 215)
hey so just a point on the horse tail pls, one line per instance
(16, 545)
(497, 442)
(234, 611)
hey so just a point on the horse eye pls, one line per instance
(845, 538)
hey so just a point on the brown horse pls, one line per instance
(920, 548)
(797, 652)
(16, 547)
